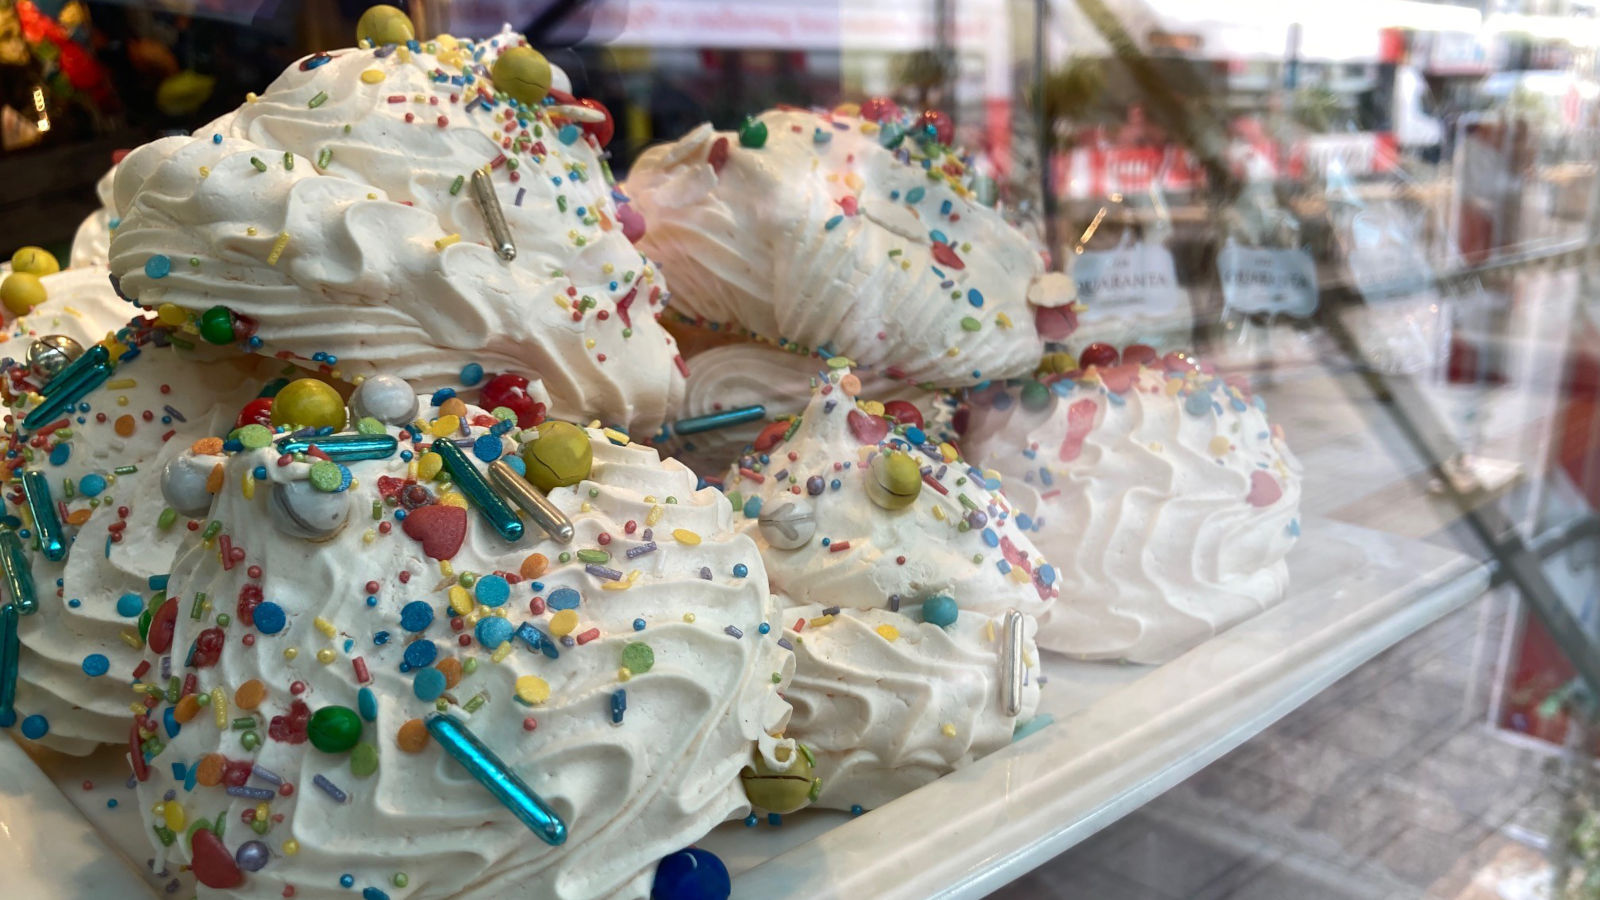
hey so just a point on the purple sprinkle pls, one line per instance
(939, 475)
(169, 795)
(172, 886)
(1043, 678)
(783, 475)
(166, 667)
(600, 571)
(131, 783)
(894, 603)
(476, 102)
(520, 193)
(731, 631)
(385, 50)
(648, 534)
(784, 643)
(828, 406)
(705, 572)
(174, 413)
(329, 788)
(254, 793)
(642, 549)
(265, 774)
(831, 611)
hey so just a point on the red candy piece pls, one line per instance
(877, 109)
(867, 429)
(943, 129)
(600, 131)
(1118, 379)
(256, 412)
(623, 305)
(1098, 354)
(208, 647)
(291, 729)
(1080, 421)
(141, 771)
(1177, 362)
(1055, 323)
(235, 772)
(213, 865)
(944, 256)
(717, 157)
(770, 435)
(249, 598)
(440, 529)
(159, 637)
(904, 411)
(1264, 489)
(1139, 354)
(510, 390)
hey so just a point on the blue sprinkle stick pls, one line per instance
(69, 391)
(494, 509)
(723, 419)
(92, 358)
(46, 524)
(10, 649)
(18, 575)
(497, 778)
(345, 447)
(544, 513)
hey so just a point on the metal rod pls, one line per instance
(1014, 667)
(544, 513)
(498, 778)
(496, 511)
(489, 202)
(46, 524)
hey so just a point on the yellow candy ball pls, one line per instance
(35, 261)
(307, 402)
(384, 24)
(523, 73)
(894, 480)
(560, 456)
(21, 292)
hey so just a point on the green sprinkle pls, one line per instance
(470, 666)
(256, 161)
(223, 620)
(593, 556)
(69, 487)
(250, 740)
(326, 476)
(288, 160)
(174, 689)
(243, 723)
(324, 156)
(966, 501)
(253, 436)
(363, 760)
(213, 528)
(475, 703)
(776, 678)
(198, 607)
(316, 101)
(968, 323)
(561, 202)
(125, 470)
(455, 186)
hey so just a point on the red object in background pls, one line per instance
(83, 72)
(1539, 668)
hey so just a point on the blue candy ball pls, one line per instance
(36, 727)
(416, 615)
(691, 874)
(429, 685)
(939, 610)
(270, 618)
(421, 653)
(492, 631)
(92, 484)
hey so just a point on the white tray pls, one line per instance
(1122, 735)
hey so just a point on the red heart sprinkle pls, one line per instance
(1264, 489)
(440, 529)
(867, 429)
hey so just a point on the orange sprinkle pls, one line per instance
(124, 426)
(250, 694)
(79, 516)
(214, 479)
(209, 770)
(450, 667)
(535, 565)
(455, 406)
(207, 446)
(187, 709)
(412, 738)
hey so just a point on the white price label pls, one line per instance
(1267, 280)
(1135, 280)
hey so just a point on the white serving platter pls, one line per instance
(1121, 735)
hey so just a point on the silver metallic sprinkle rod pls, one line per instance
(1013, 662)
(489, 203)
(544, 513)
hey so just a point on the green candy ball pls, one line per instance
(753, 134)
(523, 73)
(1035, 396)
(334, 729)
(560, 456)
(894, 480)
(780, 791)
(310, 403)
(216, 325)
(384, 24)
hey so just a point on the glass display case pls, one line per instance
(909, 448)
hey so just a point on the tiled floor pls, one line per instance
(1388, 785)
